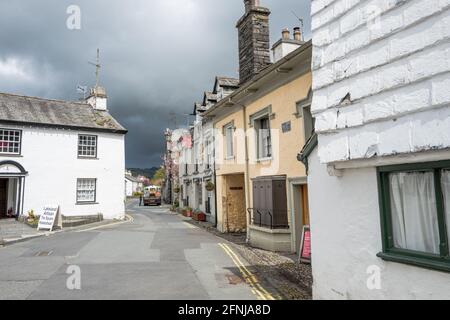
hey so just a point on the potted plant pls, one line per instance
(187, 212)
(210, 186)
(176, 190)
(198, 215)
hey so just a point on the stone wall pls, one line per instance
(254, 42)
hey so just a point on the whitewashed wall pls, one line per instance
(393, 58)
(381, 79)
(346, 237)
(51, 158)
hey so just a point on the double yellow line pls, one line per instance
(250, 278)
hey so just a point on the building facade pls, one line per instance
(382, 107)
(261, 191)
(62, 153)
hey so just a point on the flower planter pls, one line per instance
(199, 216)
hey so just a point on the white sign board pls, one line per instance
(48, 218)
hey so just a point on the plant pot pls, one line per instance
(199, 216)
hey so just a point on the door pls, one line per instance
(3, 197)
(305, 206)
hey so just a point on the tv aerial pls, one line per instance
(302, 22)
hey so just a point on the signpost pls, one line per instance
(305, 246)
(49, 218)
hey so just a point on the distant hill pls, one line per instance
(149, 172)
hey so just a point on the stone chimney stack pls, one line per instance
(254, 40)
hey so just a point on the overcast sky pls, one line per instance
(158, 56)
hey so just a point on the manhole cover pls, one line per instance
(43, 253)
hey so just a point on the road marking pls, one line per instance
(249, 277)
(129, 219)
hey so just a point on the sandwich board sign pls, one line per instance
(305, 246)
(49, 218)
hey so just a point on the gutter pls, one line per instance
(260, 76)
(309, 147)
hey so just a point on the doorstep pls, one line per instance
(276, 240)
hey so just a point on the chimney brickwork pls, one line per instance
(254, 40)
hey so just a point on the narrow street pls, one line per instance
(155, 256)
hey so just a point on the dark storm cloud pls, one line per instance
(158, 56)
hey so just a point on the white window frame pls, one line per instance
(84, 185)
(85, 154)
(10, 140)
(229, 140)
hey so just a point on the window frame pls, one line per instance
(300, 113)
(19, 153)
(256, 118)
(439, 262)
(96, 146)
(229, 126)
(80, 202)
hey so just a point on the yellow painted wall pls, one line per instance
(285, 146)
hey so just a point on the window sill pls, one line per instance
(11, 155)
(265, 159)
(443, 265)
(229, 158)
(86, 203)
(87, 158)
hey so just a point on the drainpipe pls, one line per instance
(215, 183)
(247, 172)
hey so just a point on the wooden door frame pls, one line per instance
(292, 183)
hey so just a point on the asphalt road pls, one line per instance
(157, 256)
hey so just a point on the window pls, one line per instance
(229, 137)
(87, 146)
(263, 136)
(10, 141)
(304, 112)
(86, 190)
(415, 211)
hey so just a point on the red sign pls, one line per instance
(305, 246)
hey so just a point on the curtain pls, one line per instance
(414, 211)
(446, 192)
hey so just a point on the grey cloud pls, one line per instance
(158, 56)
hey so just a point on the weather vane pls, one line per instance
(97, 66)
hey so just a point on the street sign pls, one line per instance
(48, 218)
(305, 246)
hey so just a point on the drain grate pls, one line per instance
(43, 253)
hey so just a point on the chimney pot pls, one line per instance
(249, 4)
(286, 34)
(297, 34)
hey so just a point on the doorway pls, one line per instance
(235, 208)
(301, 217)
(3, 198)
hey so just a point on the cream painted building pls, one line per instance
(261, 188)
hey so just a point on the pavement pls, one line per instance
(157, 256)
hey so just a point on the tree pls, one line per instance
(159, 176)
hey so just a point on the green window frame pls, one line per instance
(439, 261)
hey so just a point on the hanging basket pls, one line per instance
(210, 186)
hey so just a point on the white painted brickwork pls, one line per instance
(393, 58)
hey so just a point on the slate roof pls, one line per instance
(228, 82)
(131, 178)
(23, 110)
(209, 96)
